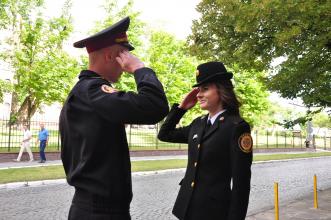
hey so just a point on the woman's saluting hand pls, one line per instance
(190, 99)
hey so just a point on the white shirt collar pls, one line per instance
(212, 119)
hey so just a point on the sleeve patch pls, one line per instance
(246, 143)
(108, 89)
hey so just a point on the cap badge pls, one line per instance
(197, 72)
(120, 40)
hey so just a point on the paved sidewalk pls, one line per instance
(302, 209)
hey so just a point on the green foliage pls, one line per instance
(43, 71)
(12, 11)
(174, 67)
(322, 120)
(252, 93)
(42, 67)
(255, 33)
(5, 87)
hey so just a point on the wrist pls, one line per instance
(138, 67)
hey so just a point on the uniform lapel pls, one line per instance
(202, 128)
(214, 127)
(211, 130)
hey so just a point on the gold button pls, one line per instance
(195, 164)
(198, 145)
(192, 184)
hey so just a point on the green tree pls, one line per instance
(174, 67)
(43, 72)
(255, 33)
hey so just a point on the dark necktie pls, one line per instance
(208, 125)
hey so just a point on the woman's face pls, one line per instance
(209, 98)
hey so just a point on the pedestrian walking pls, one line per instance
(216, 184)
(94, 148)
(43, 141)
(25, 144)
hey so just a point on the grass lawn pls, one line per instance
(57, 172)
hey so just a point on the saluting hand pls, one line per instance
(129, 62)
(190, 99)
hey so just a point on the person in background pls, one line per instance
(43, 141)
(216, 184)
(94, 147)
(25, 145)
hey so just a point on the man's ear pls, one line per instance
(108, 56)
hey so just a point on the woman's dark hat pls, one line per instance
(115, 34)
(211, 72)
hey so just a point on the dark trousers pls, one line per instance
(42, 147)
(86, 206)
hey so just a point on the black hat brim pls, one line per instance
(215, 78)
(127, 45)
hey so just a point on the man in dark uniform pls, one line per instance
(94, 148)
(216, 184)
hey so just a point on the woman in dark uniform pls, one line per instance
(216, 184)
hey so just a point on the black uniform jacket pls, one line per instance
(215, 157)
(94, 148)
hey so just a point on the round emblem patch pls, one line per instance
(245, 143)
(108, 89)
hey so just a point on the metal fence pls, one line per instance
(11, 136)
(144, 137)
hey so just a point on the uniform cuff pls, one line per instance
(142, 71)
(175, 107)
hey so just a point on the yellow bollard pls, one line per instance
(276, 201)
(315, 192)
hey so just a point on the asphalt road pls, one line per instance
(154, 194)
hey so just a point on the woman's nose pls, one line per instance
(199, 94)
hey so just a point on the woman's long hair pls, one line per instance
(228, 97)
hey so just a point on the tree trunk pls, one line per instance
(13, 108)
(26, 110)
